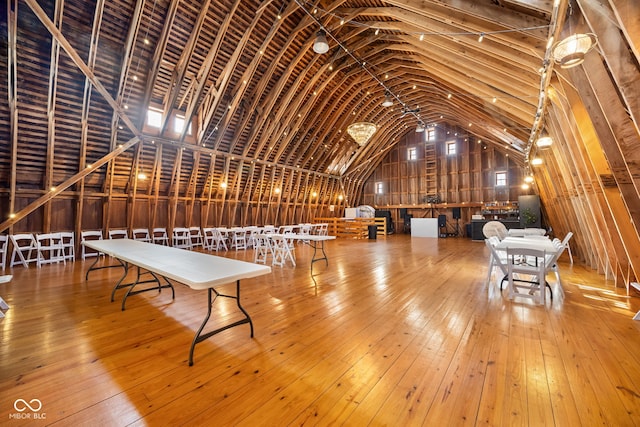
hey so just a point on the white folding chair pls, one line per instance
(160, 236)
(68, 241)
(181, 238)
(282, 250)
(565, 244)
(4, 243)
(497, 259)
(89, 235)
(552, 262)
(220, 240)
(252, 232)
(49, 249)
(141, 235)
(196, 237)
(23, 244)
(208, 238)
(262, 248)
(239, 238)
(527, 279)
(118, 234)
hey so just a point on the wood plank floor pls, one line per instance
(396, 331)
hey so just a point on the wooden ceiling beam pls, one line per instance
(158, 53)
(205, 70)
(614, 48)
(177, 82)
(459, 11)
(42, 16)
(628, 18)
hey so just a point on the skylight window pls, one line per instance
(154, 118)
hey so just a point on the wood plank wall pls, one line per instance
(466, 179)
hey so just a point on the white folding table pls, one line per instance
(194, 269)
(528, 242)
(314, 240)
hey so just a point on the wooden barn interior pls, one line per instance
(145, 114)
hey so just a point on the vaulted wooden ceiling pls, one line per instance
(244, 74)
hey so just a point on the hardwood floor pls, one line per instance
(396, 331)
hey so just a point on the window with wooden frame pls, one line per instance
(451, 148)
(501, 179)
(379, 187)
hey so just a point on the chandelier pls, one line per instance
(361, 132)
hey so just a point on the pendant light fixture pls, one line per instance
(570, 51)
(321, 45)
(388, 101)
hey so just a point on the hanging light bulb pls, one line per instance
(536, 161)
(528, 179)
(388, 101)
(321, 45)
(420, 127)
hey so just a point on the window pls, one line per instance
(379, 188)
(178, 125)
(154, 118)
(431, 134)
(412, 153)
(501, 179)
(451, 148)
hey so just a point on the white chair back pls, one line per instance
(49, 248)
(527, 270)
(25, 247)
(89, 235)
(496, 259)
(196, 237)
(68, 240)
(118, 234)
(160, 236)
(181, 238)
(141, 234)
(4, 243)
